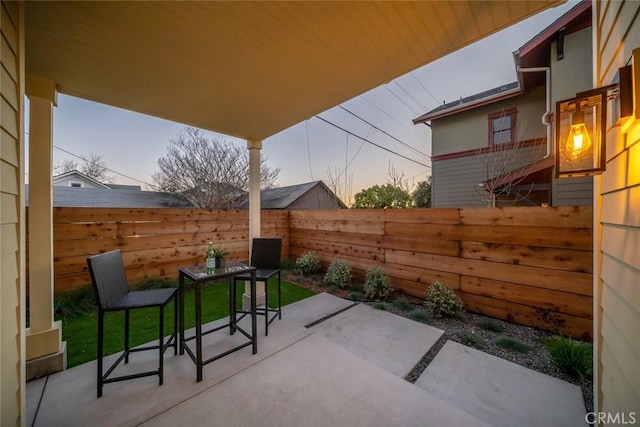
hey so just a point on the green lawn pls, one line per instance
(80, 332)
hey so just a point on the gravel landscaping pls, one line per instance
(523, 345)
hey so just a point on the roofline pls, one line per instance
(321, 182)
(511, 93)
(543, 35)
(95, 181)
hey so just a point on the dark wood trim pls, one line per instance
(513, 112)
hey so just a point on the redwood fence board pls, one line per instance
(529, 265)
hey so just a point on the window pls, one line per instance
(75, 184)
(502, 127)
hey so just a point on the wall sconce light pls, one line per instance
(580, 134)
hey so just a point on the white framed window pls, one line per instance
(75, 184)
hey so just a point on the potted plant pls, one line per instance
(218, 254)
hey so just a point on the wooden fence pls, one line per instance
(528, 265)
(154, 242)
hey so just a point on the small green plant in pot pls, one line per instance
(376, 284)
(219, 255)
(338, 274)
(441, 300)
(308, 263)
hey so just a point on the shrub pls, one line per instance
(491, 325)
(418, 315)
(379, 306)
(402, 303)
(471, 339)
(513, 344)
(573, 357)
(441, 300)
(338, 274)
(376, 283)
(308, 263)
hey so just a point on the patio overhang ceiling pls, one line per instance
(247, 69)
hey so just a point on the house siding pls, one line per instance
(451, 134)
(12, 396)
(618, 219)
(455, 181)
(317, 198)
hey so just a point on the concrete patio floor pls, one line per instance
(346, 370)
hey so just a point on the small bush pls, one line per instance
(419, 315)
(491, 325)
(471, 339)
(573, 357)
(338, 274)
(308, 263)
(441, 300)
(512, 344)
(355, 295)
(379, 306)
(402, 303)
(376, 284)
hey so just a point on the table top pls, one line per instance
(199, 272)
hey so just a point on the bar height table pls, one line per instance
(198, 275)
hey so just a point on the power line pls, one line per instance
(416, 100)
(415, 150)
(425, 88)
(391, 117)
(110, 170)
(372, 143)
(415, 111)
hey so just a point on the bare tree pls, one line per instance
(397, 179)
(342, 188)
(91, 165)
(505, 168)
(211, 173)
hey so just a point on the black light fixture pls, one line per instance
(580, 134)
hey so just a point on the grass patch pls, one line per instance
(379, 306)
(419, 315)
(471, 339)
(491, 325)
(402, 303)
(513, 344)
(355, 295)
(80, 330)
(573, 357)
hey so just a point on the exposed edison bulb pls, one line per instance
(579, 141)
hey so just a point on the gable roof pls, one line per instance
(283, 197)
(79, 175)
(116, 198)
(534, 53)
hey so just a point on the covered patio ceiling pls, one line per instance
(247, 69)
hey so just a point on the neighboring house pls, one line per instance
(496, 140)
(310, 195)
(75, 189)
(116, 198)
(217, 195)
(77, 179)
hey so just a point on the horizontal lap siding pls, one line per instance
(617, 35)
(154, 242)
(529, 265)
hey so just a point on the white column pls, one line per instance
(43, 335)
(254, 148)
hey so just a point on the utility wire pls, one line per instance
(416, 100)
(372, 143)
(415, 150)
(415, 111)
(110, 170)
(425, 88)
(391, 117)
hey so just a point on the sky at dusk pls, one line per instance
(131, 143)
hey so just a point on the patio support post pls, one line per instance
(254, 148)
(44, 347)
